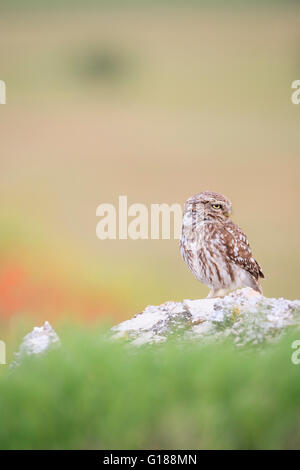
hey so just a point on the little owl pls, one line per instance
(214, 248)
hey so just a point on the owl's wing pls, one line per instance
(238, 249)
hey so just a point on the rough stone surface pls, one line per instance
(244, 315)
(37, 342)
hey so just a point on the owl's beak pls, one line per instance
(227, 214)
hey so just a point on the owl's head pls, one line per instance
(209, 206)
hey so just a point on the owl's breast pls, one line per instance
(203, 254)
(192, 247)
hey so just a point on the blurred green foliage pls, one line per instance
(94, 393)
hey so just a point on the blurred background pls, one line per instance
(156, 101)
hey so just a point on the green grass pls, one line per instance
(93, 393)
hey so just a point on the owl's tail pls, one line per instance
(254, 284)
(257, 287)
(260, 273)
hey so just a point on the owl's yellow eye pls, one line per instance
(216, 206)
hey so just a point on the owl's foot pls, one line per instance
(217, 293)
(254, 284)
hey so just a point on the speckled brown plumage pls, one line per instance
(215, 249)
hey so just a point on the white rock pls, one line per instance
(37, 342)
(245, 315)
(200, 309)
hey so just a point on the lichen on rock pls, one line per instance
(244, 315)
